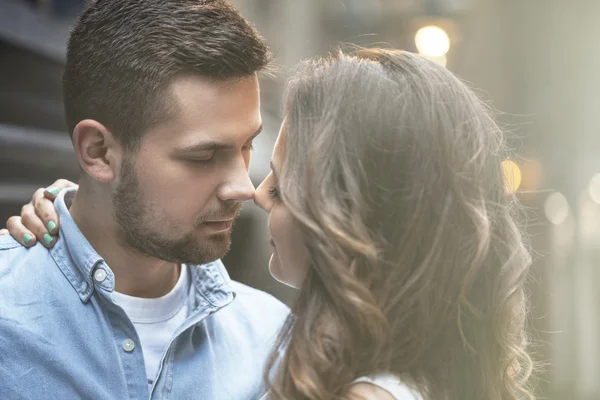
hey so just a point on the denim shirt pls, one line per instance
(62, 337)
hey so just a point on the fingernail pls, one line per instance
(27, 238)
(51, 226)
(47, 239)
(53, 190)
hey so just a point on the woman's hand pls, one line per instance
(39, 220)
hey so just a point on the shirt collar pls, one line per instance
(79, 262)
(212, 282)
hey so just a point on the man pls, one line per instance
(162, 102)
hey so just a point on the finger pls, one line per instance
(52, 190)
(4, 232)
(33, 223)
(44, 209)
(19, 231)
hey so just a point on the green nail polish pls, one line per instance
(27, 238)
(47, 239)
(51, 226)
(53, 190)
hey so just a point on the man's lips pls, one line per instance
(219, 225)
(221, 220)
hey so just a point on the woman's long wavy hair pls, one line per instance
(392, 170)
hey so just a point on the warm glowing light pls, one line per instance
(594, 188)
(531, 171)
(432, 41)
(556, 208)
(512, 176)
(439, 60)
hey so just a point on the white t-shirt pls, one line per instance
(156, 320)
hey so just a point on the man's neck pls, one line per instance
(136, 274)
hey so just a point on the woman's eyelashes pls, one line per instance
(273, 193)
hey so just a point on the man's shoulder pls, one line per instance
(259, 311)
(13, 253)
(29, 267)
(258, 299)
(7, 242)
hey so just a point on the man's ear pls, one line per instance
(98, 151)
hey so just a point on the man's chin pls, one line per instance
(194, 249)
(213, 247)
(218, 240)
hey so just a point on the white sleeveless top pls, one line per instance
(391, 384)
(386, 381)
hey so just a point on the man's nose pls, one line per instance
(238, 188)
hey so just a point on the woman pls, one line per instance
(388, 212)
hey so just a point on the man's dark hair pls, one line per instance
(122, 54)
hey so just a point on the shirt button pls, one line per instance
(100, 275)
(128, 345)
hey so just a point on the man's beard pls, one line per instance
(136, 219)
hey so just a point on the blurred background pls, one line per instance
(536, 61)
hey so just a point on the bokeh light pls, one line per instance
(432, 41)
(512, 176)
(556, 208)
(594, 188)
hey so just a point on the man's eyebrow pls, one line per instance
(214, 145)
